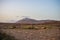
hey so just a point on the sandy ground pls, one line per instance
(42, 34)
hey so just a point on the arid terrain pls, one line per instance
(29, 29)
(27, 34)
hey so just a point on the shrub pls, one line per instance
(4, 36)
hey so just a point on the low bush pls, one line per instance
(4, 36)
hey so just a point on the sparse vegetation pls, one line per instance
(39, 27)
(35, 31)
(4, 36)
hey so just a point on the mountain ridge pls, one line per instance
(33, 21)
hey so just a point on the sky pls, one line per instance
(14, 10)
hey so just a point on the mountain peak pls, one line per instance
(27, 20)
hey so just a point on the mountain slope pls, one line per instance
(33, 21)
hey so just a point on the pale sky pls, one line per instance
(13, 10)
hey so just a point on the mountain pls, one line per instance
(33, 21)
(27, 21)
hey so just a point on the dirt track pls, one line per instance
(43, 34)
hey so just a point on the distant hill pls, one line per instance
(33, 21)
(27, 21)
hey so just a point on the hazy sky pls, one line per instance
(38, 9)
